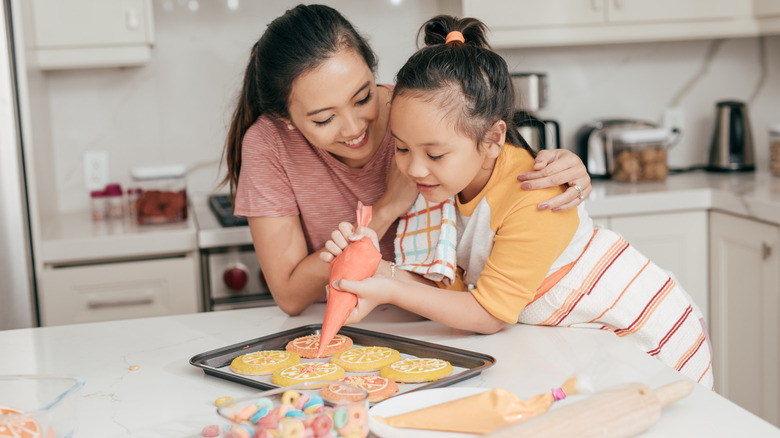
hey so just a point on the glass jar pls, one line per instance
(774, 149)
(115, 201)
(97, 205)
(163, 196)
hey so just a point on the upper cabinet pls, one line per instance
(529, 23)
(63, 34)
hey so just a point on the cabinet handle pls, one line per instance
(100, 304)
(595, 5)
(766, 251)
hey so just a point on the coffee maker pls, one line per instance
(531, 96)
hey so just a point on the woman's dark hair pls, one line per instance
(468, 78)
(294, 43)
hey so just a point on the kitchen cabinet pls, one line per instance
(745, 278)
(120, 290)
(527, 23)
(676, 242)
(88, 33)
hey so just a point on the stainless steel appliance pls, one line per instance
(732, 142)
(531, 96)
(232, 277)
(17, 284)
(596, 141)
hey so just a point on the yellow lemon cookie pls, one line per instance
(263, 362)
(416, 370)
(307, 346)
(365, 358)
(303, 372)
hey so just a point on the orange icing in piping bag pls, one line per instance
(359, 260)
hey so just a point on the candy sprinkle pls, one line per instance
(134, 367)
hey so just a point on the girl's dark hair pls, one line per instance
(294, 43)
(468, 78)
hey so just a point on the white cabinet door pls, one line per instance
(535, 13)
(639, 11)
(111, 291)
(676, 242)
(89, 33)
(745, 276)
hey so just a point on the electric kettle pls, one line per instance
(539, 134)
(732, 142)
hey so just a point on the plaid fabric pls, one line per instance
(426, 239)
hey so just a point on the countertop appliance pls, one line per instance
(231, 275)
(530, 96)
(17, 287)
(594, 142)
(732, 142)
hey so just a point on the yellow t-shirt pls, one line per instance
(506, 245)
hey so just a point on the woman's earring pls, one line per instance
(290, 126)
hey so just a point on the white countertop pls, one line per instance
(168, 397)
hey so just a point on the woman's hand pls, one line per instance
(343, 236)
(556, 167)
(371, 292)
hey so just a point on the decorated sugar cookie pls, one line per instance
(18, 426)
(303, 372)
(416, 370)
(379, 388)
(263, 362)
(365, 358)
(306, 346)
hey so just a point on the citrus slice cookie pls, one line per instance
(307, 346)
(379, 388)
(18, 426)
(416, 370)
(303, 372)
(365, 358)
(263, 362)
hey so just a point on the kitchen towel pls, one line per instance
(426, 239)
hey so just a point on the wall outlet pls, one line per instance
(674, 119)
(95, 170)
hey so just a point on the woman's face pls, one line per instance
(336, 107)
(433, 154)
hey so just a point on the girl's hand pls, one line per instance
(343, 236)
(555, 167)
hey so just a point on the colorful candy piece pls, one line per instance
(359, 260)
(210, 431)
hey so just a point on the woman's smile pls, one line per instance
(358, 142)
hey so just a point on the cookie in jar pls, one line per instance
(162, 194)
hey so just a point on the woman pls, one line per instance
(309, 138)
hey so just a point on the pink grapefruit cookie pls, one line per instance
(416, 370)
(263, 362)
(307, 346)
(365, 358)
(379, 388)
(304, 372)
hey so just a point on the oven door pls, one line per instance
(232, 279)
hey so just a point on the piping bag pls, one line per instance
(480, 413)
(359, 260)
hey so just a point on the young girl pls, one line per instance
(451, 120)
(309, 138)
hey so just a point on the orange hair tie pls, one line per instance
(454, 36)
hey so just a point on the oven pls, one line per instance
(231, 274)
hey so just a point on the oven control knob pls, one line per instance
(236, 277)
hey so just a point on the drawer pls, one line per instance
(122, 290)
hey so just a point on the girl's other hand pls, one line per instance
(555, 167)
(343, 236)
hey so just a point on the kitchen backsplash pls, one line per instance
(177, 108)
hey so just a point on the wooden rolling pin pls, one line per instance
(621, 412)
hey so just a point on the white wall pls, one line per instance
(176, 109)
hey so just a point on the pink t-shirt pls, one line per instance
(282, 174)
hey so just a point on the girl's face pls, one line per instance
(336, 107)
(433, 154)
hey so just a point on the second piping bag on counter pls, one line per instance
(359, 260)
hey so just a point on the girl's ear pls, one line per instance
(494, 138)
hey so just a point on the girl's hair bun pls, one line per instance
(435, 31)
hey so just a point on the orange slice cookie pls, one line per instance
(307, 346)
(365, 358)
(21, 426)
(416, 370)
(379, 388)
(263, 362)
(303, 372)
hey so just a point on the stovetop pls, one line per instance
(211, 232)
(222, 207)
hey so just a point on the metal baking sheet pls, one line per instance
(465, 364)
